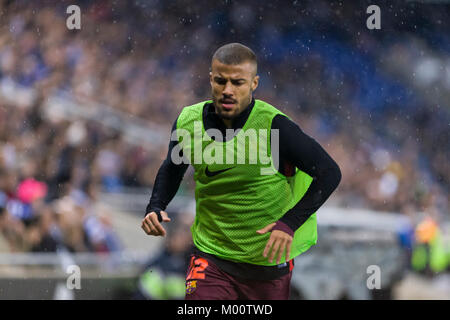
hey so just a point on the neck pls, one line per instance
(228, 123)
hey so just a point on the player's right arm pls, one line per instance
(166, 185)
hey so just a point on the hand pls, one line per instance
(279, 240)
(152, 226)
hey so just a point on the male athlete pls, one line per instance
(249, 225)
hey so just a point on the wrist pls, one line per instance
(155, 210)
(280, 225)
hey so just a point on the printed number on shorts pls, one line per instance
(196, 268)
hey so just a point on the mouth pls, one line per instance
(227, 104)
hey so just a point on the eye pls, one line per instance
(220, 81)
(237, 82)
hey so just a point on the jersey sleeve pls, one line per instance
(305, 153)
(167, 181)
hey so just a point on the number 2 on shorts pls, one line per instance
(196, 268)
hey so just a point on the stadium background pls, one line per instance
(85, 117)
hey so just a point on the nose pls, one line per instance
(228, 90)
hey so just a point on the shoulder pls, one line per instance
(285, 124)
(268, 108)
(273, 115)
(191, 113)
(198, 105)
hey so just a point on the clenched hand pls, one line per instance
(152, 226)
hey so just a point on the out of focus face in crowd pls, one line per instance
(232, 87)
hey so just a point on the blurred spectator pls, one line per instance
(431, 253)
(164, 276)
(12, 231)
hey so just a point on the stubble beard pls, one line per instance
(221, 114)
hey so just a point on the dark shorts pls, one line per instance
(205, 281)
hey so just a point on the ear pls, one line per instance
(210, 78)
(255, 82)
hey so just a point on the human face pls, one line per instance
(232, 87)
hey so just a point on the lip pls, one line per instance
(227, 105)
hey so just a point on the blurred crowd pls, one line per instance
(317, 61)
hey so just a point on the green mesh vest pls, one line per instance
(239, 189)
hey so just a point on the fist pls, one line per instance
(152, 226)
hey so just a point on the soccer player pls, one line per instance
(250, 223)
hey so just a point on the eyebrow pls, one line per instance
(220, 77)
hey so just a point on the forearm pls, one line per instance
(306, 154)
(318, 192)
(166, 185)
(167, 181)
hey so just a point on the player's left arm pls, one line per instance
(300, 150)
